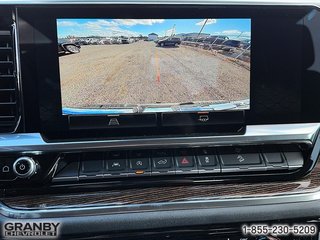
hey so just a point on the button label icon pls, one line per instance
(116, 164)
(162, 161)
(203, 118)
(185, 161)
(207, 160)
(114, 122)
(5, 169)
(139, 163)
(240, 158)
(22, 167)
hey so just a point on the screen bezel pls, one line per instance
(42, 24)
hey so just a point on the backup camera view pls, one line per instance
(143, 65)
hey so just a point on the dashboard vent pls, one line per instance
(8, 83)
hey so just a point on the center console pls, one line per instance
(181, 104)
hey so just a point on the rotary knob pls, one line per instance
(25, 167)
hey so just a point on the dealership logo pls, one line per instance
(30, 230)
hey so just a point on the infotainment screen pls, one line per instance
(154, 65)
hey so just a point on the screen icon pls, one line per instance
(203, 118)
(113, 122)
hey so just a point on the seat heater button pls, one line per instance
(117, 165)
(139, 164)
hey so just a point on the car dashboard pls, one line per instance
(159, 119)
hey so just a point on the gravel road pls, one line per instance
(141, 73)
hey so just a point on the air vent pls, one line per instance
(8, 83)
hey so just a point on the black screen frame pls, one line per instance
(39, 53)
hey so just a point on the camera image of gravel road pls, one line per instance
(141, 73)
(129, 62)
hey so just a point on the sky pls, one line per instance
(134, 27)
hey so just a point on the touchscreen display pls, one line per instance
(154, 65)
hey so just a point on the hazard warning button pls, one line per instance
(185, 159)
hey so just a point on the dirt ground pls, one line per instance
(141, 73)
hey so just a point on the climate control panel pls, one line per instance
(171, 163)
(219, 161)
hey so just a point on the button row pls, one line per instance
(152, 120)
(174, 162)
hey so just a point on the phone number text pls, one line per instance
(281, 229)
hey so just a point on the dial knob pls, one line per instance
(25, 167)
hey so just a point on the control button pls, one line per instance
(206, 158)
(113, 121)
(139, 163)
(293, 156)
(185, 162)
(67, 172)
(274, 158)
(207, 161)
(116, 165)
(241, 158)
(201, 118)
(162, 162)
(23, 167)
(6, 170)
(92, 165)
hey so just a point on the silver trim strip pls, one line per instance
(255, 134)
(184, 2)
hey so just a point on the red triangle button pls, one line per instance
(184, 161)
